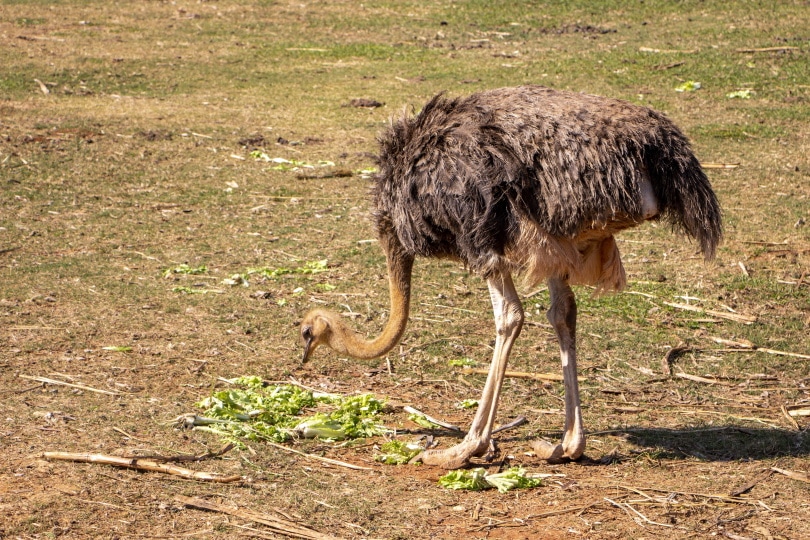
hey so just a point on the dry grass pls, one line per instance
(138, 160)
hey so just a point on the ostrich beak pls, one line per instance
(309, 346)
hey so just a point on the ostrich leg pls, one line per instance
(563, 317)
(508, 312)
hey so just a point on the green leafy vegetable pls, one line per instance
(397, 452)
(472, 479)
(422, 421)
(117, 348)
(513, 478)
(467, 404)
(321, 426)
(477, 479)
(740, 94)
(688, 86)
(309, 267)
(276, 413)
(185, 269)
(188, 290)
(282, 164)
(461, 362)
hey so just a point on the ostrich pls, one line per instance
(527, 181)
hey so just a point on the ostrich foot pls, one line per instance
(571, 448)
(456, 456)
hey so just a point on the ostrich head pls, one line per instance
(316, 329)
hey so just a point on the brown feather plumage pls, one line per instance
(536, 180)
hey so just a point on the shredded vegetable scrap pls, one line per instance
(397, 452)
(279, 412)
(477, 479)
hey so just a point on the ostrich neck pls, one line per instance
(347, 341)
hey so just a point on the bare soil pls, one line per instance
(126, 134)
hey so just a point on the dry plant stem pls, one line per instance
(768, 49)
(750, 485)
(801, 477)
(319, 458)
(519, 421)
(411, 410)
(696, 378)
(141, 465)
(46, 380)
(277, 525)
(744, 319)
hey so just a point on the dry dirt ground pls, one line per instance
(126, 140)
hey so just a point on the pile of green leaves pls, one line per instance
(478, 479)
(253, 411)
(398, 452)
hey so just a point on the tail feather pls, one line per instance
(684, 193)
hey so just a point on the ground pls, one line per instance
(135, 138)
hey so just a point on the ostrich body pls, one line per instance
(528, 181)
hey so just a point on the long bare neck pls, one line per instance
(347, 341)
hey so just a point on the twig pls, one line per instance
(519, 421)
(696, 378)
(801, 477)
(626, 511)
(798, 410)
(63, 383)
(750, 485)
(646, 519)
(790, 419)
(747, 346)
(277, 525)
(667, 51)
(760, 243)
(521, 375)
(664, 67)
(768, 49)
(141, 465)
(319, 458)
(42, 87)
(671, 356)
(445, 425)
(719, 165)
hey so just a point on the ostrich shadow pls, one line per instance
(723, 443)
(716, 444)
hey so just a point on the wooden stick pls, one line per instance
(801, 477)
(719, 165)
(768, 49)
(141, 465)
(520, 375)
(745, 345)
(798, 410)
(63, 383)
(277, 525)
